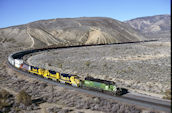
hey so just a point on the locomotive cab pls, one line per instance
(70, 79)
(75, 80)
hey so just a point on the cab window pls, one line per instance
(52, 72)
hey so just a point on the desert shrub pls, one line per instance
(4, 94)
(3, 103)
(3, 98)
(167, 94)
(49, 64)
(60, 65)
(23, 97)
(87, 63)
(105, 65)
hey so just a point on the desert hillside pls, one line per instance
(69, 31)
(156, 27)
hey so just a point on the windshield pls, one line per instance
(114, 88)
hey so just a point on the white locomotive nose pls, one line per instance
(18, 62)
(114, 89)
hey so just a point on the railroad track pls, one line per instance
(130, 98)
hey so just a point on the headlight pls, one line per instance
(77, 81)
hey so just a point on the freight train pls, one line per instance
(89, 82)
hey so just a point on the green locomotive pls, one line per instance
(101, 85)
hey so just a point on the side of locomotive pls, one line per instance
(101, 85)
(49, 74)
(56, 76)
(73, 80)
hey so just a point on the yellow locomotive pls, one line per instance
(63, 78)
(70, 79)
(51, 74)
(33, 70)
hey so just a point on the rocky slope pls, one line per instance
(70, 31)
(157, 27)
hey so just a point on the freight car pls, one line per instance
(25, 67)
(101, 85)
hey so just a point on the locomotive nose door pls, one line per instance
(77, 81)
(72, 79)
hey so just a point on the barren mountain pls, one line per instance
(157, 27)
(70, 31)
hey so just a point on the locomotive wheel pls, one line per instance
(74, 85)
(54, 79)
(118, 92)
(45, 77)
(62, 82)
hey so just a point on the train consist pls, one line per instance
(74, 80)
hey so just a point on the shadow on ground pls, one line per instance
(124, 91)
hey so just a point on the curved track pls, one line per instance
(130, 98)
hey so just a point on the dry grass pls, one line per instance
(3, 103)
(167, 94)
